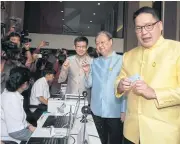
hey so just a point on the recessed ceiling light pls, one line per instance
(62, 11)
(99, 3)
(90, 21)
(94, 13)
(62, 19)
(88, 27)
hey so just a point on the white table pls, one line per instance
(61, 132)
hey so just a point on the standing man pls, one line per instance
(153, 105)
(72, 68)
(100, 76)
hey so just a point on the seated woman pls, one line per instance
(14, 126)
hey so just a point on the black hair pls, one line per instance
(17, 77)
(92, 52)
(81, 39)
(14, 34)
(146, 9)
(48, 71)
(109, 36)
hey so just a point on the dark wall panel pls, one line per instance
(170, 20)
(130, 40)
(44, 17)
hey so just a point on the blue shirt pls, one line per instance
(102, 78)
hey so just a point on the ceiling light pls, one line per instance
(94, 13)
(62, 19)
(91, 21)
(62, 11)
(88, 27)
(99, 3)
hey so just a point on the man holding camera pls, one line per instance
(11, 56)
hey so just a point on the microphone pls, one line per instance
(84, 93)
(85, 109)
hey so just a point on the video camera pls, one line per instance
(61, 56)
(13, 51)
(10, 51)
(45, 54)
(23, 34)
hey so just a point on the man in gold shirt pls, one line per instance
(153, 100)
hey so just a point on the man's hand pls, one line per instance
(86, 68)
(141, 88)
(27, 46)
(32, 128)
(12, 29)
(42, 44)
(124, 85)
(66, 65)
(123, 116)
(43, 100)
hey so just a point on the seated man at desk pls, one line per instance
(40, 93)
(72, 68)
(14, 126)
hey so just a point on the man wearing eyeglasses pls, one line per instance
(108, 111)
(153, 99)
(72, 68)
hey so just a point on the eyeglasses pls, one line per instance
(148, 27)
(83, 47)
(102, 43)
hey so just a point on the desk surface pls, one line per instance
(60, 132)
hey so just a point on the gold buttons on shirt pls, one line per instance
(110, 69)
(154, 64)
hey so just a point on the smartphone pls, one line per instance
(135, 77)
(47, 43)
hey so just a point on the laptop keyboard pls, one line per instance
(57, 121)
(37, 140)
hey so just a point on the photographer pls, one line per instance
(93, 52)
(14, 126)
(57, 58)
(12, 56)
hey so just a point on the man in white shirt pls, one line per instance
(40, 92)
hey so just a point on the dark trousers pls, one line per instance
(126, 141)
(38, 112)
(110, 130)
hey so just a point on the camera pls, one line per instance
(45, 54)
(12, 51)
(9, 49)
(61, 55)
(23, 34)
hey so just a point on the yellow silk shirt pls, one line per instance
(154, 121)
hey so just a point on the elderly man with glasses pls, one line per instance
(153, 98)
(107, 110)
